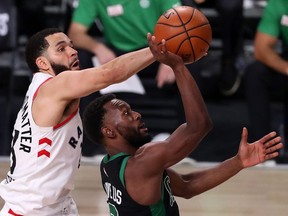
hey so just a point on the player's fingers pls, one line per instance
(274, 148)
(163, 48)
(272, 142)
(268, 137)
(272, 155)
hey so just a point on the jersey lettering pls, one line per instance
(113, 193)
(73, 141)
(168, 188)
(26, 134)
(25, 148)
(79, 132)
(9, 179)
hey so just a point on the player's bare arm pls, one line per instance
(249, 154)
(71, 85)
(152, 159)
(198, 123)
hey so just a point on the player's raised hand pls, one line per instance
(251, 154)
(161, 53)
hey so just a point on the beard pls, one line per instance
(134, 137)
(57, 68)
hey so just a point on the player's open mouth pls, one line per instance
(143, 127)
(75, 64)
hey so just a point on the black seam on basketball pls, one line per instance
(184, 25)
(181, 45)
(166, 24)
(173, 25)
(200, 39)
(208, 43)
(199, 26)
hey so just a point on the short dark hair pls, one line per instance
(37, 45)
(93, 117)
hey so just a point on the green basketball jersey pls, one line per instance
(120, 203)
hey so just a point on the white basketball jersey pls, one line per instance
(43, 160)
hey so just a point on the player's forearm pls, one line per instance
(205, 180)
(196, 113)
(198, 121)
(129, 64)
(115, 71)
(193, 102)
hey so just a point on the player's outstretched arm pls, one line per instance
(94, 79)
(249, 154)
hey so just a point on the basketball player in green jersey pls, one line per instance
(136, 173)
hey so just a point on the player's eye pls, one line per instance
(126, 112)
(61, 49)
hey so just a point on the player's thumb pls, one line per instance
(244, 135)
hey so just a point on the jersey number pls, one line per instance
(13, 159)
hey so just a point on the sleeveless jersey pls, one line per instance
(120, 203)
(43, 160)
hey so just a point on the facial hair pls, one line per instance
(135, 138)
(57, 68)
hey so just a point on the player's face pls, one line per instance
(129, 124)
(61, 54)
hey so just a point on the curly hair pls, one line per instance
(37, 45)
(93, 117)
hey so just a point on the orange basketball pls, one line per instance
(187, 32)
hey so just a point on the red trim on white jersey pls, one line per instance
(66, 120)
(35, 94)
(13, 213)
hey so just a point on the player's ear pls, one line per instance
(107, 132)
(42, 63)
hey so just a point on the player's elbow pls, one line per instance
(205, 126)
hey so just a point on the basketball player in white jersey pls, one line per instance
(47, 135)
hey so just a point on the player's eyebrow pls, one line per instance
(59, 43)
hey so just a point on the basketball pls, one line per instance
(187, 32)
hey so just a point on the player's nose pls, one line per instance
(136, 115)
